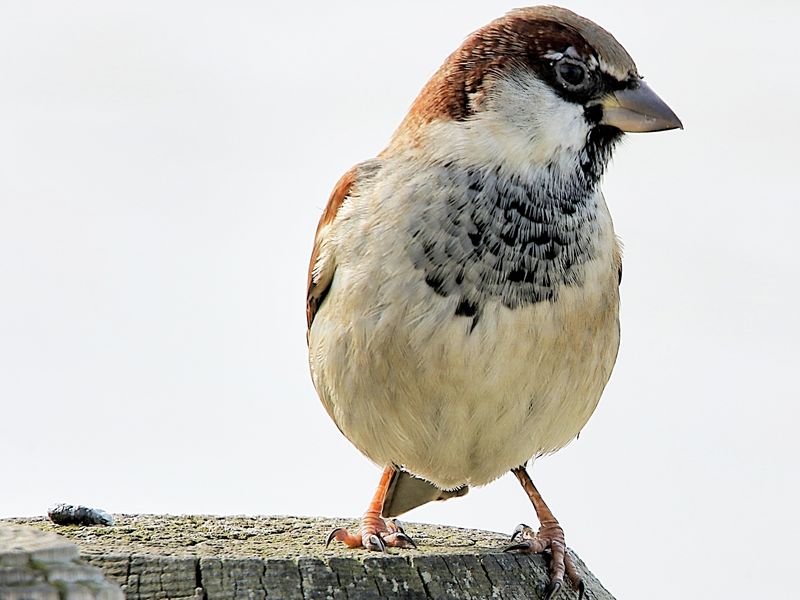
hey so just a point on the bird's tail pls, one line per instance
(407, 492)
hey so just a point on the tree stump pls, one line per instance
(253, 558)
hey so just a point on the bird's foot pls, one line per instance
(375, 533)
(549, 538)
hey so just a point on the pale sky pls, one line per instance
(162, 169)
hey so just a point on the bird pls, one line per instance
(463, 288)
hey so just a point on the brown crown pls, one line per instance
(522, 37)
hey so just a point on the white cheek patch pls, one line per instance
(525, 122)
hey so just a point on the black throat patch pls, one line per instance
(499, 236)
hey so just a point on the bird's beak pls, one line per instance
(638, 109)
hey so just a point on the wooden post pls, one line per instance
(254, 558)
(35, 565)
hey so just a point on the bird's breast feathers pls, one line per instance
(463, 307)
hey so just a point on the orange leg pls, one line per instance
(550, 537)
(375, 533)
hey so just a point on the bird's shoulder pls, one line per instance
(321, 267)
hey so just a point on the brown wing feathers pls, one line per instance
(319, 283)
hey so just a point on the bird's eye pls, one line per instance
(571, 74)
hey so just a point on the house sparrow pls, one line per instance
(463, 294)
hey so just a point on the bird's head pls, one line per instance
(538, 87)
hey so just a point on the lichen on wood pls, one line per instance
(254, 558)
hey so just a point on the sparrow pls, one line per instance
(463, 290)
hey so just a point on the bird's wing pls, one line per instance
(323, 264)
(618, 259)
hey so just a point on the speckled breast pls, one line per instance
(500, 237)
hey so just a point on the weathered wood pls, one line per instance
(260, 558)
(35, 565)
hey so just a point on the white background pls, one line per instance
(162, 169)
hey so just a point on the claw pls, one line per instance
(516, 547)
(518, 530)
(551, 590)
(398, 524)
(374, 542)
(332, 536)
(581, 590)
(400, 535)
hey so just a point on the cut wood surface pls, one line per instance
(230, 558)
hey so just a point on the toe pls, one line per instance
(519, 531)
(394, 525)
(374, 542)
(574, 578)
(399, 540)
(341, 534)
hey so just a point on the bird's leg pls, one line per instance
(549, 537)
(375, 533)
